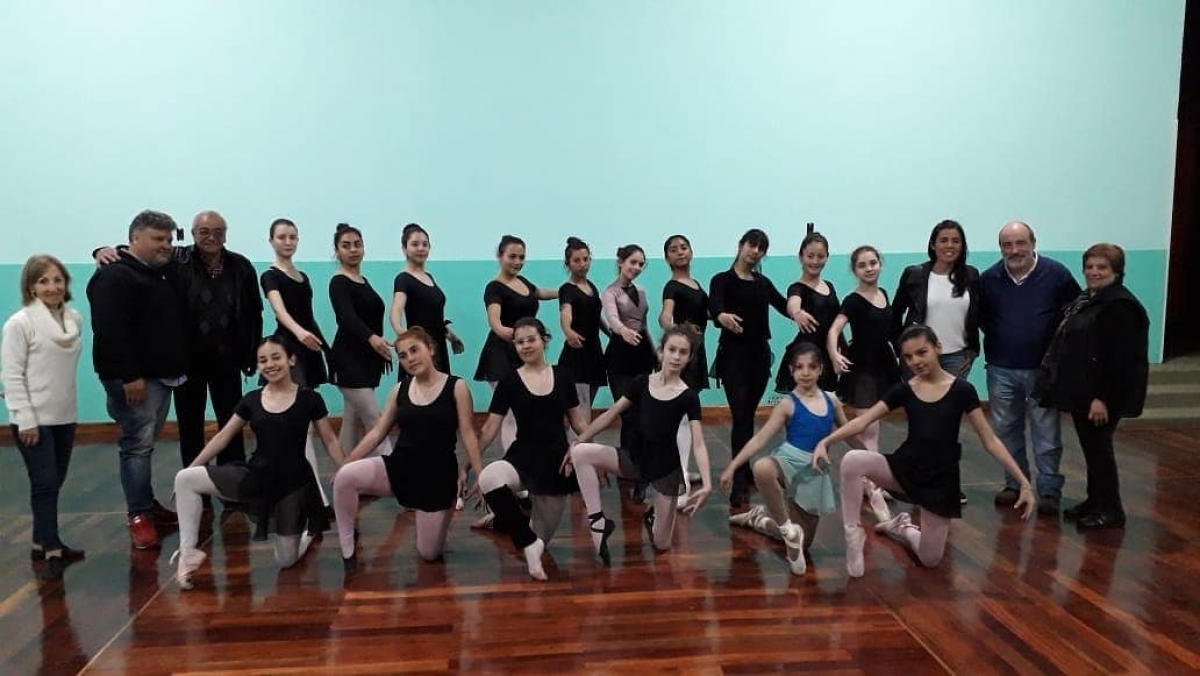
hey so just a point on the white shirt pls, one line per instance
(38, 360)
(947, 315)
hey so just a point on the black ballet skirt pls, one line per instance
(425, 306)
(874, 368)
(498, 357)
(422, 468)
(621, 358)
(537, 452)
(584, 364)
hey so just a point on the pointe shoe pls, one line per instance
(533, 559)
(894, 527)
(189, 563)
(793, 541)
(756, 518)
(879, 506)
(856, 537)
(605, 532)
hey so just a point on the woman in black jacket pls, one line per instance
(944, 295)
(1096, 369)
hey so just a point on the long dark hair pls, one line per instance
(958, 272)
(757, 238)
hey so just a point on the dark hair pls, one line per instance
(672, 238)
(756, 238)
(574, 244)
(534, 323)
(418, 334)
(276, 340)
(507, 241)
(628, 250)
(278, 222)
(153, 220)
(917, 331)
(1112, 253)
(343, 228)
(687, 331)
(958, 272)
(862, 249)
(801, 348)
(37, 266)
(408, 231)
(810, 239)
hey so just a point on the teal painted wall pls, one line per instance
(615, 120)
(463, 283)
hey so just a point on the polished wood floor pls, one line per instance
(1011, 597)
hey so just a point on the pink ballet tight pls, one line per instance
(927, 540)
(369, 477)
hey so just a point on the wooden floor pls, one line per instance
(1011, 597)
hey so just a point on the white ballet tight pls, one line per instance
(369, 477)
(310, 453)
(193, 482)
(927, 540)
(587, 458)
(361, 412)
(683, 439)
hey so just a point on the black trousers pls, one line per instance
(1103, 484)
(223, 381)
(745, 371)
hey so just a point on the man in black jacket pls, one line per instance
(224, 312)
(140, 352)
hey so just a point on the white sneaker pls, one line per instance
(894, 527)
(793, 541)
(189, 563)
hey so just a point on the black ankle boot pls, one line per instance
(509, 517)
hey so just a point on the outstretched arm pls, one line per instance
(333, 446)
(219, 442)
(779, 418)
(378, 431)
(700, 453)
(850, 429)
(603, 420)
(996, 447)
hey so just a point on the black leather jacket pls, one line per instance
(909, 304)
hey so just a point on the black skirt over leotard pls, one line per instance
(823, 308)
(926, 464)
(277, 482)
(584, 364)
(297, 297)
(422, 468)
(652, 445)
(498, 357)
(537, 452)
(873, 368)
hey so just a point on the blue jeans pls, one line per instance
(140, 426)
(47, 462)
(1010, 394)
(954, 362)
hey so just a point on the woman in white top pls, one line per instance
(38, 358)
(943, 294)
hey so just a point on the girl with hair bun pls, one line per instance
(812, 303)
(417, 300)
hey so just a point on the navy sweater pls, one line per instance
(1019, 321)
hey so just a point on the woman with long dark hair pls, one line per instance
(417, 300)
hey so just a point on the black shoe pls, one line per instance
(605, 531)
(69, 554)
(1048, 505)
(1007, 497)
(962, 498)
(350, 565)
(1076, 512)
(53, 569)
(638, 492)
(1101, 519)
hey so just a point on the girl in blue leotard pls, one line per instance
(807, 415)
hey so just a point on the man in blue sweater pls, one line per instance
(1024, 295)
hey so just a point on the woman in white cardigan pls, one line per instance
(38, 358)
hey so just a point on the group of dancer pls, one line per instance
(655, 392)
